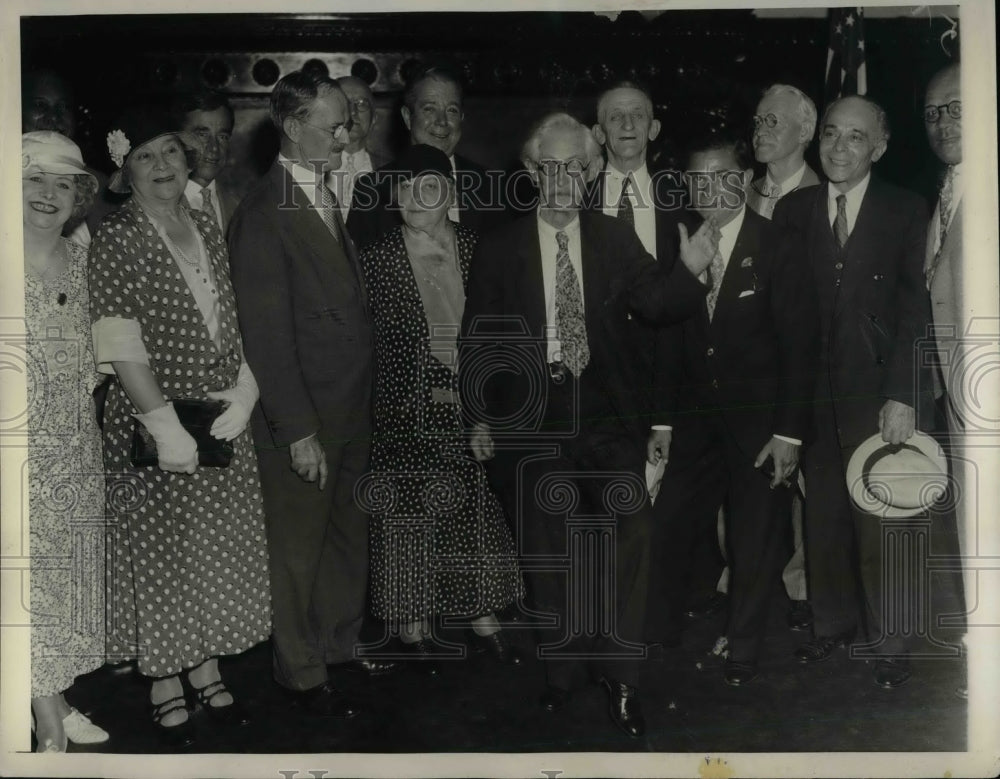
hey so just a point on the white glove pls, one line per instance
(241, 399)
(175, 448)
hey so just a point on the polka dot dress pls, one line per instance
(65, 480)
(440, 543)
(188, 576)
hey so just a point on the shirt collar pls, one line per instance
(640, 175)
(548, 233)
(732, 229)
(791, 183)
(194, 188)
(305, 177)
(854, 195)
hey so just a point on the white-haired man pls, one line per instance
(784, 125)
(555, 290)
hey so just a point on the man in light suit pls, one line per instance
(206, 121)
(357, 158)
(739, 403)
(307, 331)
(864, 241)
(783, 128)
(556, 289)
(943, 268)
(433, 113)
(784, 125)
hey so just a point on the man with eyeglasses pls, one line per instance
(357, 158)
(307, 330)
(944, 269)
(864, 240)
(433, 113)
(783, 127)
(548, 372)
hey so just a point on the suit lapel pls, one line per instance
(862, 238)
(595, 286)
(745, 247)
(531, 289)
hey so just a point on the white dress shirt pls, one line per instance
(305, 177)
(854, 197)
(341, 181)
(195, 198)
(934, 229)
(550, 250)
(788, 185)
(641, 195)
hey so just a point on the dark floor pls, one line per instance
(477, 706)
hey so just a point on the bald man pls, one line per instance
(358, 157)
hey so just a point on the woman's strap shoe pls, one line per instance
(230, 713)
(175, 737)
(498, 646)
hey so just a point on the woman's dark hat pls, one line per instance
(421, 158)
(136, 127)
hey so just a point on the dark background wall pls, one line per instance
(705, 68)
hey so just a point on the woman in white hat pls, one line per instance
(65, 472)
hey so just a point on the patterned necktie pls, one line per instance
(570, 322)
(840, 223)
(715, 273)
(944, 219)
(208, 206)
(327, 203)
(772, 200)
(625, 208)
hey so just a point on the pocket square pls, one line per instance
(746, 262)
(747, 293)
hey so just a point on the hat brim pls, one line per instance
(116, 181)
(62, 169)
(864, 499)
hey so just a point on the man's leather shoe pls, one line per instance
(324, 700)
(800, 615)
(624, 708)
(708, 605)
(737, 674)
(821, 647)
(498, 646)
(371, 666)
(891, 673)
(554, 699)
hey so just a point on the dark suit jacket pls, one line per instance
(505, 318)
(304, 316)
(872, 317)
(756, 197)
(755, 362)
(480, 201)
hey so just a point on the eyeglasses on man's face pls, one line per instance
(933, 113)
(770, 121)
(361, 105)
(552, 168)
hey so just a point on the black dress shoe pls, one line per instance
(800, 615)
(892, 673)
(707, 605)
(554, 699)
(174, 737)
(821, 647)
(737, 674)
(624, 708)
(370, 666)
(423, 657)
(231, 714)
(497, 645)
(324, 700)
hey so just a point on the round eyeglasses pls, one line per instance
(551, 168)
(770, 121)
(932, 113)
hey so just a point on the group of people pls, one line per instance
(370, 389)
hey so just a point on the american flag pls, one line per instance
(845, 59)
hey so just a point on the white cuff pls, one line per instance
(117, 340)
(662, 427)
(786, 439)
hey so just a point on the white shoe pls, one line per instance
(80, 730)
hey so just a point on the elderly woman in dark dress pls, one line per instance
(190, 579)
(440, 544)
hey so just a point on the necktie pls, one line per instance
(351, 168)
(570, 323)
(625, 208)
(772, 200)
(840, 223)
(944, 218)
(715, 273)
(327, 203)
(208, 206)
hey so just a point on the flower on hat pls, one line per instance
(118, 147)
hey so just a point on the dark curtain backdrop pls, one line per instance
(705, 69)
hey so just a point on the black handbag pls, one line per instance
(196, 416)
